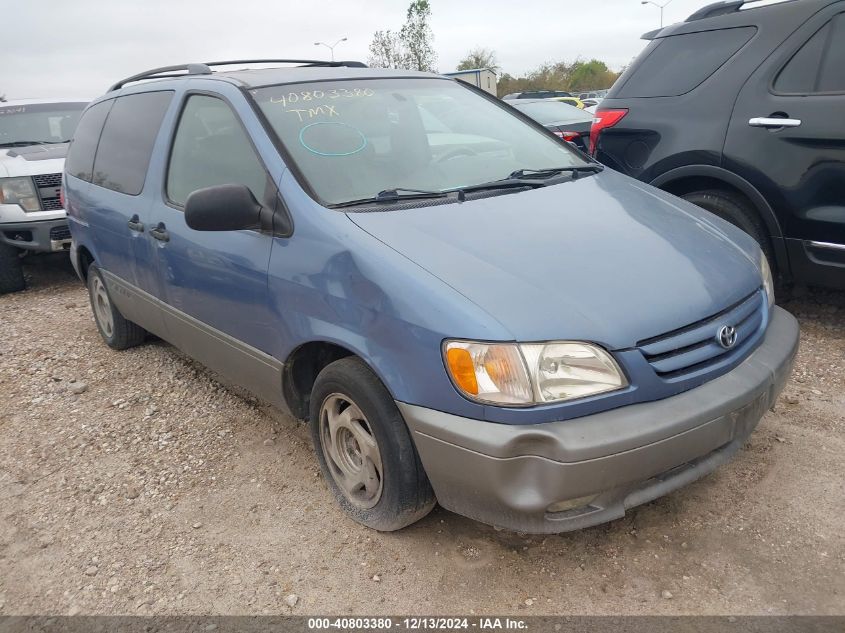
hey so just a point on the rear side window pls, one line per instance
(674, 65)
(126, 144)
(80, 157)
(819, 66)
(211, 148)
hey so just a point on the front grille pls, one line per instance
(60, 233)
(48, 180)
(49, 186)
(51, 204)
(696, 347)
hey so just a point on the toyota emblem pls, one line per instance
(726, 336)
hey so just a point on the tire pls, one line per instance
(11, 270)
(118, 332)
(368, 428)
(736, 210)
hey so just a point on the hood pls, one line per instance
(32, 160)
(604, 258)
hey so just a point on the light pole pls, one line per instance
(659, 6)
(331, 48)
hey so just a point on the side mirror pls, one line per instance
(222, 208)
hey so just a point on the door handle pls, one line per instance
(159, 232)
(135, 224)
(773, 122)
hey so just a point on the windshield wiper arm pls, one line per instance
(26, 143)
(395, 195)
(388, 195)
(554, 171)
(534, 178)
(21, 143)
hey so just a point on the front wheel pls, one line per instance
(117, 331)
(365, 450)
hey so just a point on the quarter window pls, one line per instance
(674, 65)
(817, 67)
(211, 148)
(80, 158)
(126, 144)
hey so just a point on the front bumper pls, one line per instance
(45, 236)
(508, 475)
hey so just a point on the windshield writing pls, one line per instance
(353, 139)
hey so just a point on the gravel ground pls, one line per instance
(134, 483)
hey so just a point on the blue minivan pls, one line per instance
(407, 263)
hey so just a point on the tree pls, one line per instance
(2, 98)
(577, 76)
(386, 50)
(411, 48)
(591, 75)
(479, 58)
(417, 37)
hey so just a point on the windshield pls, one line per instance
(548, 112)
(34, 123)
(353, 139)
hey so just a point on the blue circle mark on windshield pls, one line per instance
(348, 135)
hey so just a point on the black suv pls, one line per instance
(741, 110)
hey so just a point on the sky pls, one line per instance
(77, 48)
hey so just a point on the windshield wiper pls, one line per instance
(534, 178)
(395, 195)
(26, 143)
(576, 171)
(520, 178)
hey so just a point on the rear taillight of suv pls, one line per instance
(603, 120)
(567, 135)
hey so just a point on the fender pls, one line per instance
(765, 210)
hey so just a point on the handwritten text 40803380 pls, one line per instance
(306, 96)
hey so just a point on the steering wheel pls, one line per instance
(455, 153)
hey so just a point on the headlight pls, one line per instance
(768, 282)
(19, 191)
(511, 374)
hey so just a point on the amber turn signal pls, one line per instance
(462, 369)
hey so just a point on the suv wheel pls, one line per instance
(117, 331)
(735, 210)
(11, 269)
(364, 449)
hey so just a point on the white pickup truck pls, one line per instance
(34, 137)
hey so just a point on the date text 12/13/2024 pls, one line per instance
(418, 623)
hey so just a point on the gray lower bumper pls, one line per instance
(45, 236)
(509, 475)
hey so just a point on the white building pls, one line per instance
(484, 78)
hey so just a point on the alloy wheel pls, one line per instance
(102, 307)
(351, 451)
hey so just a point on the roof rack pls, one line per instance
(182, 70)
(728, 6)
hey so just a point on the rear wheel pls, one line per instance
(118, 332)
(735, 210)
(11, 269)
(365, 450)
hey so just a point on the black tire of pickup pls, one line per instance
(11, 270)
